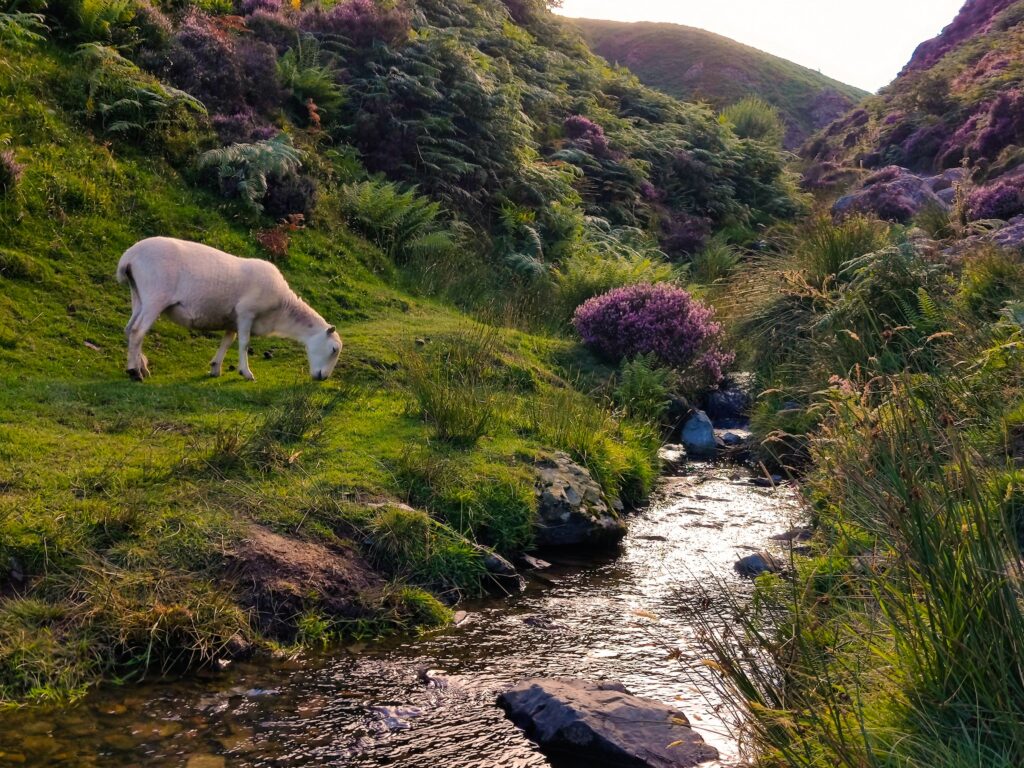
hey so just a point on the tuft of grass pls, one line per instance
(754, 118)
(453, 385)
(407, 543)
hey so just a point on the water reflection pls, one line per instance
(626, 617)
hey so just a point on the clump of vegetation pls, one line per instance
(453, 384)
(660, 320)
(644, 388)
(754, 118)
(246, 171)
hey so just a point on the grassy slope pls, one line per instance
(664, 56)
(119, 500)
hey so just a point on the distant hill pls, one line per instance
(696, 65)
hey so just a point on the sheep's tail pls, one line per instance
(124, 272)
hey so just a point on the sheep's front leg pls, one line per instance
(138, 365)
(218, 359)
(244, 329)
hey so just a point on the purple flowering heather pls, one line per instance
(654, 319)
(251, 6)
(361, 22)
(587, 135)
(1003, 199)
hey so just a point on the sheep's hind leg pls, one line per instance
(138, 365)
(218, 359)
(244, 329)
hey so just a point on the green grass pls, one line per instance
(118, 500)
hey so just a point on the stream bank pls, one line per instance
(430, 700)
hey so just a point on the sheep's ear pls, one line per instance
(330, 329)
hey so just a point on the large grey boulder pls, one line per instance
(893, 193)
(604, 722)
(571, 508)
(698, 436)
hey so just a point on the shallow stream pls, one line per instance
(627, 616)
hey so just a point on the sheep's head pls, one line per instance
(323, 349)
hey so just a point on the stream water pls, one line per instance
(627, 616)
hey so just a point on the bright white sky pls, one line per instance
(861, 42)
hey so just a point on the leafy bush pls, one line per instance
(754, 118)
(122, 99)
(404, 224)
(605, 259)
(21, 29)
(246, 170)
(11, 172)
(644, 388)
(305, 76)
(587, 135)
(360, 22)
(823, 248)
(654, 319)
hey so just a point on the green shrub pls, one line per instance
(244, 170)
(754, 118)
(419, 608)
(824, 248)
(405, 225)
(644, 388)
(604, 260)
(122, 100)
(990, 278)
(302, 73)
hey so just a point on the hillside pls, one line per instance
(957, 103)
(446, 181)
(696, 65)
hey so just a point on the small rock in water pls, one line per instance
(541, 622)
(434, 678)
(800, 533)
(459, 617)
(766, 482)
(673, 457)
(756, 564)
(731, 439)
(698, 436)
(397, 718)
(534, 562)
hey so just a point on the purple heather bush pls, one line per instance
(660, 320)
(684, 234)
(1003, 199)
(250, 7)
(226, 72)
(360, 21)
(10, 171)
(583, 133)
(242, 127)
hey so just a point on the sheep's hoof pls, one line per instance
(144, 368)
(134, 374)
(214, 371)
(247, 375)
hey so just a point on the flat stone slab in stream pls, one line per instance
(604, 721)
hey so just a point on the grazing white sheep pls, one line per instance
(208, 290)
